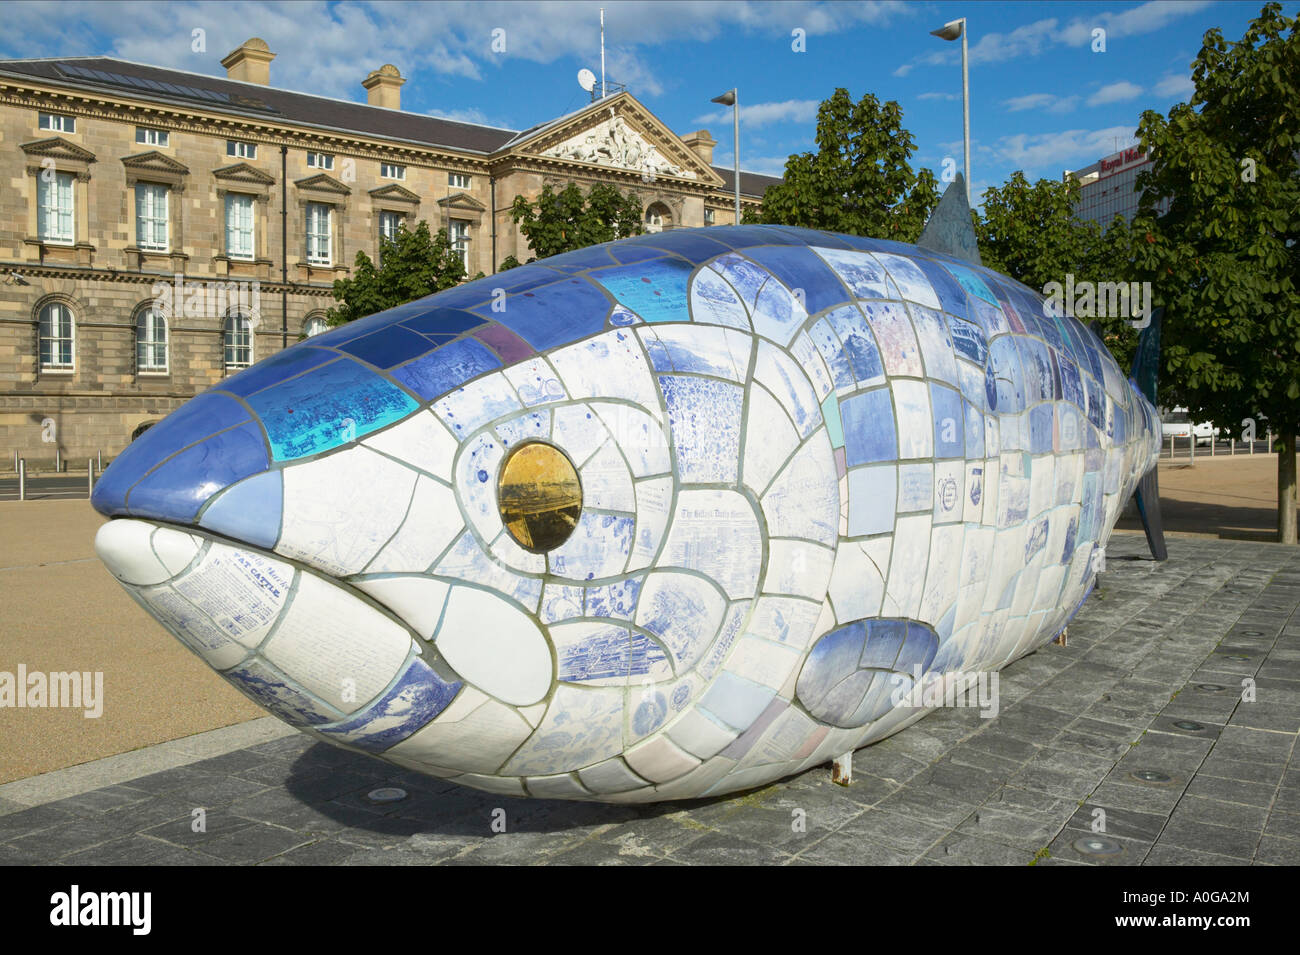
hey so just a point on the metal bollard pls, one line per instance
(99, 461)
(1171, 447)
(1269, 447)
(58, 460)
(22, 480)
(90, 477)
(1191, 450)
(1252, 444)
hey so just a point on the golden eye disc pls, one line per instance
(539, 496)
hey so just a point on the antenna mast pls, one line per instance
(602, 52)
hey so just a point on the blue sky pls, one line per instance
(1041, 99)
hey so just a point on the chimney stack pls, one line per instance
(384, 87)
(250, 63)
(701, 143)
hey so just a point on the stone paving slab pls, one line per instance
(1138, 721)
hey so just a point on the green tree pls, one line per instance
(412, 264)
(509, 262)
(568, 220)
(1030, 233)
(1225, 258)
(859, 180)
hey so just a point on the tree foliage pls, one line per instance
(1030, 233)
(1224, 258)
(568, 220)
(413, 264)
(859, 180)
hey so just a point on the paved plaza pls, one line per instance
(1141, 715)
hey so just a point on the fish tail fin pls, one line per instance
(1145, 377)
(950, 229)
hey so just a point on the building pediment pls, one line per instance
(155, 161)
(618, 133)
(56, 147)
(243, 172)
(461, 200)
(394, 191)
(323, 183)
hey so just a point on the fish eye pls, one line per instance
(539, 496)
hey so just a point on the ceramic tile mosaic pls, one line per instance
(785, 472)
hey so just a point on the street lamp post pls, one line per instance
(951, 31)
(732, 99)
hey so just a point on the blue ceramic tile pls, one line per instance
(833, 352)
(440, 320)
(388, 347)
(554, 314)
(177, 488)
(655, 290)
(693, 246)
(949, 427)
(859, 344)
(832, 658)
(272, 690)
(974, 431)
(798, 267)
(269, 371)
(869, 433)
(736, 701)
(334, 405)
(191, 422)
(952, 297)
(884, 641)
(413, 701)
(630, 253)
(449, 367)
(705, 417)
(1040, 429)
(919, 649)
(872, 494)
(249, 511)
(968, 340)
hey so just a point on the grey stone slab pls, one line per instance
(1127, 793)
(1260, 746)
(1278, 851)
(958, 849)
(1131, 851)
(1022, 828)
(599, 853)
(1267, 716)
(255, 843)
(1162, 854)
(1219, 765)
(720, 849)
(324, 852)
(139, 850)
(836, 849)
(892, 829)
(1204, 837)
(1117, 821)
(1283, 824)
(1232, 790)
(928, 807)
(1216, 812)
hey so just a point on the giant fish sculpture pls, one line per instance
(662, 518)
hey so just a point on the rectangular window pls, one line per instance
(239, 226)
(389, 223)
(240, 149)
(460, 240)
(457, 180)
(388, 170)
(708, 217)
(56, 338)
(318, 234)
(57, 122)
(54, 207)
(152, 137)
(151, 216)
(320, 161)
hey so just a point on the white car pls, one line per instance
(1177, 423)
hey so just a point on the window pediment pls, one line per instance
(393, 191)
(242, 172)
(462, 200)
(154, 161)
(56, 147)
(321, 182)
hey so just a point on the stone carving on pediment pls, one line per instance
(614, 143)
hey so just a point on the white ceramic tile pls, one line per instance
(716, 533)
(416, 599)
(770, 438)
(421, 440)
(495, 646)
(660, 760)
(431, 524)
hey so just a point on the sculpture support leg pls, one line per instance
(842, 769)
(1148, 503)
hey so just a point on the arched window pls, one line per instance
(57, 337)
(238, 342)
(657, 217)
(314, 326)
(150, 341)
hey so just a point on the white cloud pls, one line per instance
(470, 115)
(762, 114)
(1174, 86)
(1042, 102)
(942, 96)
(1037, 153)
(1115, 93)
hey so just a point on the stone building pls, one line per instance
(160, 229)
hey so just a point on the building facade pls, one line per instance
(1108, 187)
(160, 230)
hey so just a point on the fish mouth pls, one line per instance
(282, 633)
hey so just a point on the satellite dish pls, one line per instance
(586, 79)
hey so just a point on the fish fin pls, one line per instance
(1148, 503)
(1146, 360)
(950, 229)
